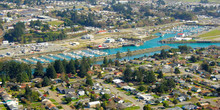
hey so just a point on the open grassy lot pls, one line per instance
(132, 108)
(211, 35)
(57, 23)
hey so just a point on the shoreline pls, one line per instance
(185, 42)
(113, 56)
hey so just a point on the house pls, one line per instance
(175, 108)
(73, 96)
(88, 36)
(121, 106)
(110, 40)
(167, 69)
(189, 107)
(81, 92)
(61, 89)
(93, 104)
(195, 89)
(146, 97)
(180, 35)
(128, 88)
(118, 100)
(181, 98)
(175, 92)
(117, 73)
(117, 81)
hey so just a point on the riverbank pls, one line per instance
(183, 42)
(136, 52)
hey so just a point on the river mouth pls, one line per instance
(153, 43)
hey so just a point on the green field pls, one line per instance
(211, 35)
(57, 23)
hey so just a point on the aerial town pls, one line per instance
(110, 55)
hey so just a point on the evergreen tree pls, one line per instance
(160, 74)
(129, 54)
(39, 70)
(65, 63)
(71, 67)
(89, 81)
(58, 65)
(51, 72)
(22, 77)
(127, 73)
(77, 64)
(117, 63)
(105, 62)
(110, 61)
(46, 81)
(147, 107)
(82, 73)
(177, 71)
(175, 101)
(118, 56)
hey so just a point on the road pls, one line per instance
(121, 94)
(53, 95)
(182, 70)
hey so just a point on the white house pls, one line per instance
(93, 104)
(88, 36)
(110, 40)
(145, 97)
(117, 81)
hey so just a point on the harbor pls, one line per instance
(183, 31)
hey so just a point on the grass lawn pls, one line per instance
(132, 108)
(211, 35)
(209, 97)
(53, 23)
(156, 96)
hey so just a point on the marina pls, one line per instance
(186, 30)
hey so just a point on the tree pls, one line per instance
(127, 74)
(177, 71)
(22, 77)
(160, 74)
(117, 63)
(189, 93)
(39, 70)
(193, 59)
(175, 101)
(51, 72)
(68, 100)
(71, 67)
(105, 61)
(82, 71)
(141, 88)
(46, 81)
(118, 56)
(99, 75)
(147, 107)
(105, 97)
(58, 65)
(129, 54)
(89, 81)
(165, 104)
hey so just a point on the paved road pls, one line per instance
(121, 94)
(53, 95)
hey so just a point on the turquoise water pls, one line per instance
(46, 59)
(147, 44)
(155, 43)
